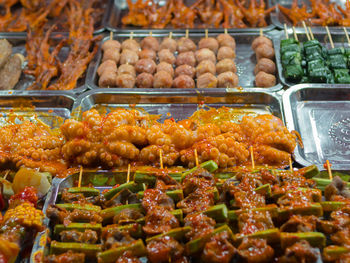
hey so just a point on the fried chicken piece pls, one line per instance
(296, 14)
(255, 14)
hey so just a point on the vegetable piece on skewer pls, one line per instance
(90, 250)
(315, 239)
(177, 233)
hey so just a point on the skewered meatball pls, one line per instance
(162, 79)
(111, 44)
(145, 65)
(144, 81)
(126, 69)
(125, 81)
(185, 70)
(185, 44)
(210, 43)
(165, 55)
(264, 51)
(163, 66)
(226, 52)
(112, 55)
(168, 43)
(129, 57)
(148, 53)
(207, 80)
(184, 82)
(265, 80)
(107, 79)
(205, 54)
(110, 64)
(227, 80)
(225, 40)
(226, 65)
(261, 40)
(150, 43)
(204, 67)
(266, 65)
(131, 44)
(186, 58)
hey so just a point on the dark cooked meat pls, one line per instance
(88, 236)
(78, 215)
(301, 197)
(199, 179)
(113, 237)
(198, 201)
(166, 183)
(11, 72)
(127, 216)
(298, 223)
(253, 221)
(337, 188)
(155, 197)
(342, 237)
(56, 215)
(255, 250)
(301, 252)
(218, 249)
(70, 197)
(5, 51)
(201, 224)
(249, 199)
(121, 198)
(159, 220)
(127, 257)
(68, 257)
(165, 249)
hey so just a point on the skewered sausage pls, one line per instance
(125, 81)
(264, 51)
(228, 80)
(210, 43)
(148, 53)
(187, 58)
(265, 80)
(266, 65)
(11, 72)
(131, 44)
(168, 43)
(165, 55)
(112, 55)
(150, 43)
(126, 69)
(185, 44)
(111, 44)
(145, 65)
(110, 64)
(162, 79)
(204, 67)
(108, 79)
(185, 70)
(166, 67)
(226, 52)
(225, 40)
(205, 54)
(128, 57)
(144, 81)
(184, 82)
(226, 65)
(207, 80)
(261, 40)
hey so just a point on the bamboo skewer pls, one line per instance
(346, 34)
(225, 31)
(187, 33)
(290, 165)
(132, 35)
(206, 33)
(261, 32)
(329, 170)
(6, 174)
(80, 176)
(196, 157)
(306, 31)
(161, 158)
(127, 180)
(330, 37)
(286, 31)
(311, 34)
(252, 156)
(171, 35)
(111, 35)
(295, 34)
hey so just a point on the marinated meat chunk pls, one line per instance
(254, 221)
(197, 201)
(342, 237)
(57, 215)
(159, 220)
(298, 223)
(255, 250)
(199, 179)
(301, 252)
(249, 199)
(112, 237)
(127, 257)
(88, 236)
(337, 188)
(127, 216)
(123, 197)
(68, 257)
(71, 197)
(165, 249)
(155, 197)
(78, 215)
(218, 249)
(201, 225)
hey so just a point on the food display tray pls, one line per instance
(18, 46)
(120, 8)
(279, 19)
(245, 57)
(321, 115)
(338, 36)
(49, 108)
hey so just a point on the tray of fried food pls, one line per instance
(182, 14)
(334, 13)
(17, 14)
(185, 61)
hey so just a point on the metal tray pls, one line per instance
(338, 36)
(120, 8)
(18, 42)
(245, 57)
(179, 105)
(321, 114)
(279, 19)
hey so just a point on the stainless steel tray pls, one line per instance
(120, 8)
(18, 42)
(338, 36)
(279, 19)
(50, 108)
(321, 114)
(180, 105)
(245, 57)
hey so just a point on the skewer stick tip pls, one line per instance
(306, 31)
(206, 33)
(311, 34)
(261, 32)
(128, 174)
(291, 164)
(286, 31)
(329, 170)
(187, 33)
(252, 156)
(132, 35)
(171, 35)
(111, 35)
(225, 31)
(161, 158)
(196, 157)
(80, 176)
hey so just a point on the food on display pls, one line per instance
(200, 14)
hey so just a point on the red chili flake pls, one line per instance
(326, 166)
(117, 185)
